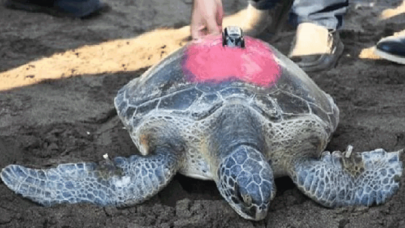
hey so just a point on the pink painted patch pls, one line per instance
(208, 60)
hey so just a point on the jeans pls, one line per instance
(326, 13)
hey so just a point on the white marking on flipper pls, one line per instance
(122, 182)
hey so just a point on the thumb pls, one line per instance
(219, 15)
(212, 26)
(195, 26)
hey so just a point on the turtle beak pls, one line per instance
(255, 213)
(261, 214)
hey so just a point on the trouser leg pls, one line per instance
(326, 13)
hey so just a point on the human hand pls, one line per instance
(206, 18)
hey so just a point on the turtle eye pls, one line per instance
(238, 194)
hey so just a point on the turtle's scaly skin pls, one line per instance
(362, 179)
(240, 117)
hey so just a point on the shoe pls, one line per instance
(60, 8)
(315, 48)
(259, 20)
(392, 48)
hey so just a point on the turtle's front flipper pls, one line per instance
(338, 179)
(121, 182)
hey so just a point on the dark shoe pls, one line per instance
(315, 48)
(60, 8)
(392, 48)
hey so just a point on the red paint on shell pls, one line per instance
(208, 60)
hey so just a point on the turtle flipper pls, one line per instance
(338, 179)
(121, 182)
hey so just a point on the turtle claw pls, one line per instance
(348, 151)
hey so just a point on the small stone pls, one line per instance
(183, 208)
(53, 147)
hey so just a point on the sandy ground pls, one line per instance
(58, 78)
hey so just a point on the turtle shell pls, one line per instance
(199, 78)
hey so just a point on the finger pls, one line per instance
(219, 21)
(195, 26)
(212, 26)
(195, 33)
(202, 31)
(219, 13)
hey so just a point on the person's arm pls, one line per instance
(206, 18)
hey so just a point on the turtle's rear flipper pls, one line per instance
(342, 179)
(121, 182)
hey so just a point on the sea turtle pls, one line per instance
(231, 110)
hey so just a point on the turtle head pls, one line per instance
(245, 180)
